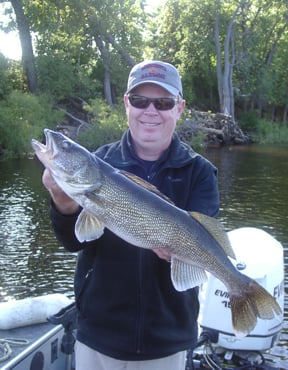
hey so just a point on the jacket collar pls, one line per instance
(122, 155)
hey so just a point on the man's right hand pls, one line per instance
(63, 203)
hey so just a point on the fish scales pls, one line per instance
(148, 221)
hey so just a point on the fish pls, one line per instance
(140, 214)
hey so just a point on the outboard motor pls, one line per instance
(259, 256)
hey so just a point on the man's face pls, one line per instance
(152, 129)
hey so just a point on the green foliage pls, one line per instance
(60, 78)
(270, 133)
(108, 125)
(261, 130)
(56, 76)
(11, 76)
(197, 141)
(23, 117)
(86, 48)
(4, 77)
(249, 121)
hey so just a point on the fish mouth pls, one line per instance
(45, 152)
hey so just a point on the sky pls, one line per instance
(10, 43)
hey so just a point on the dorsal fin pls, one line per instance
(216, 229)
(146, 185)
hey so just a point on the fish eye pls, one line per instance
(66, 144)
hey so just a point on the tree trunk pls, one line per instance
(225, 82)
(127, 57)
(28, 59)
(106, 63)
(218, 59)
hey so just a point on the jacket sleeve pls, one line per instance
(63, 226)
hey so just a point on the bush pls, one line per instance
(270, 133)
(107, 126)
(5, 86)
(249, 121)
(23, 117)
(261, 130)
(56, 76)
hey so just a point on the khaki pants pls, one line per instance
(89, 359)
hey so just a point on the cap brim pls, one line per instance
(172, 90)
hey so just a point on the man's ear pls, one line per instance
(180, 107)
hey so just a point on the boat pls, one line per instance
(49, 345)
(45, 345)
(35, 347)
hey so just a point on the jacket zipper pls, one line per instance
(140, 318)
(79, 296)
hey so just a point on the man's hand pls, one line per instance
(63, 203)
(162, 253)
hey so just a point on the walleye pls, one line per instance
(138, 213)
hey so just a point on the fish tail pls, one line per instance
(253, 302)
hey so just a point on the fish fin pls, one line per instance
(146, 185)
(88, 227)
(254, 302)
(185, 276)
(216, 229)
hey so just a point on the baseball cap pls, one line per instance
(156, 72)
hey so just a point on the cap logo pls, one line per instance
(153, 70)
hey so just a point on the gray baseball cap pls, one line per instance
(158, 73)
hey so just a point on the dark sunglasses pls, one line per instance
(143, 102)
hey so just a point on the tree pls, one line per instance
(211, 42)
(28, 59)
(90, 33)
(225, 70)
(214, 46)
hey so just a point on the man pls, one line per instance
(129, 314)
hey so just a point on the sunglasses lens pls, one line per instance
(164, 103)
(139, 101)
(142, 102)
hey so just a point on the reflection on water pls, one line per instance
(31, 261)
(253, 188)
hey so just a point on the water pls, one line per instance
(31, 261)
(253, 189)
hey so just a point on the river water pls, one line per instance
(253, 188)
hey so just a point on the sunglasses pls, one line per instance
(143, 102)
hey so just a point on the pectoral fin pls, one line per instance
(88, 227)
(185, 276)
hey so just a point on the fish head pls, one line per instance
(67, 161)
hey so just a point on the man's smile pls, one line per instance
(150, 124)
